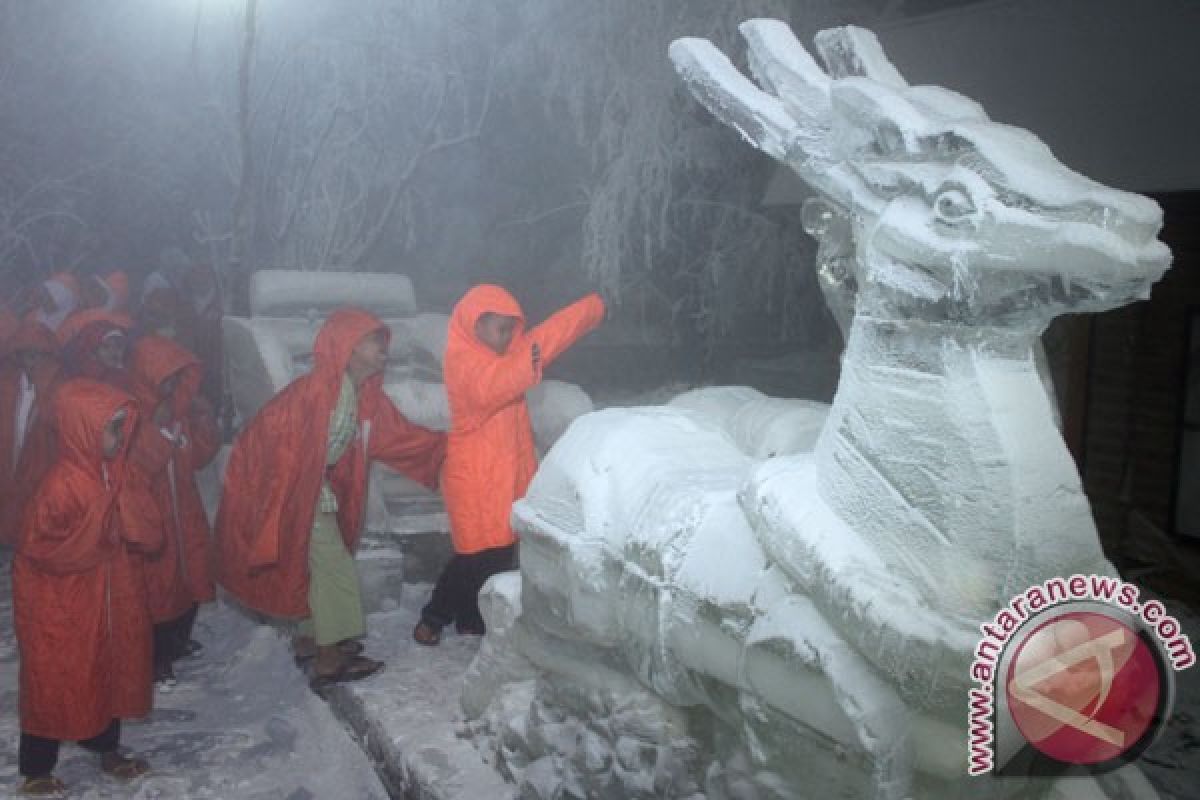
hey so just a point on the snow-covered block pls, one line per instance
(717, 403)
(762, 426)
(299, 293)
(423, 402)
(554, 405)
(426, 332)
(642, 549)
(259, 359)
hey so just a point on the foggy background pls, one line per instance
(543, 144)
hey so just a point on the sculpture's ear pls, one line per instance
(855, 52)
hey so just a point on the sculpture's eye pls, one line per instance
(952, 205)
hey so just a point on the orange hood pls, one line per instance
(153, 360)
(81, 336)
(100, 319)
(480, 300)
(336, 340)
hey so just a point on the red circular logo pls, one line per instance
(1084, 688)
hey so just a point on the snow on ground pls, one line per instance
(241, 724)
(409, 715)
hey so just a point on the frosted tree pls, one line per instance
(277, 133)
(37, 203)
(329, 120)
(88, 146)
(650, 229)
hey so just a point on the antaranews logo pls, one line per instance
(1073, 674)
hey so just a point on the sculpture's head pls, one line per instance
(925, 208)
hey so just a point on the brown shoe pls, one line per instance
(305, 650)
(123, 768)
(427, 634)
(42, 786)
(354, 668)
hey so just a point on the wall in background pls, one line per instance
(1112, 86)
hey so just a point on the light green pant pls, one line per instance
(334, 596)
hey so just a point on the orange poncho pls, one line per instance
(276, 467)
(490, 456)
(79, 602)
(19, 476)
(178, 575)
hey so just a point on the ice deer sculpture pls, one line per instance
(824, 605)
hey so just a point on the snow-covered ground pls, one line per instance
(242, 723)
(409, 717)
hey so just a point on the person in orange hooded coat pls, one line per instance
(93, 344)
(491, 361)
(79, 604)
(28, 377)
(180, 438)
(282, 487)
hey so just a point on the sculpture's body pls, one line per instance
(824, 604)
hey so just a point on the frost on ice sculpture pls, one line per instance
(696, 619)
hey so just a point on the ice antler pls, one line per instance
(793, 118)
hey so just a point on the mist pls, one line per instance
(542, 145)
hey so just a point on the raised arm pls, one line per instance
(489, 385)
(566, 326)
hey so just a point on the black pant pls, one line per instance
(456, 595)
(37, 756)
(171, 638)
